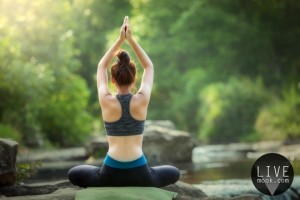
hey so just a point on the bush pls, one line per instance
(281, 119)
(63, 118)
(26, 170)
(228, 110)
(22, 89)
(6, 131)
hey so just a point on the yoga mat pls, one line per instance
(124, 193)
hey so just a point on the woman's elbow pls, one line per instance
(149, 66)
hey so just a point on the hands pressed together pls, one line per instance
(125, 32)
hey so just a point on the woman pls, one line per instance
(124, 117)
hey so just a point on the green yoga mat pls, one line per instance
(124, 193)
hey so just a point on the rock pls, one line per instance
(290, 151)
(97, 147)
(235, 187)
(267, 146)
(185, 190)
(60, 194)
(8, 154)
(68, 154)
(247, 197)
(228, 188)
(221, 152)
(189, 192)
(55, 163)
(34, 189)
(162, 123)
(162, 145)
(65, 191)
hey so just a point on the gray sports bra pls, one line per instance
(126, 125)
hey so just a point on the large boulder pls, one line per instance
(164, 145)
(97, 147)
(162, 123)
(8, 155)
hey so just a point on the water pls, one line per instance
(218, 162)
(210, 163)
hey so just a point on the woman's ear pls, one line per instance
(112, 80)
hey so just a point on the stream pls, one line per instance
(210, 163)
(218, 162)
(223, 170)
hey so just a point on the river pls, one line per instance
(214, 162)
(223, 170)
(210, 163)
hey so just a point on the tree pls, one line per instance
(39, 64)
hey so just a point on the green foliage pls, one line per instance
(23, 87)
(221, 39)
(38, 64)
(281, 120)
(50, 50)
(228, 110)
(7, 131)
(26, 170)
(63, 117)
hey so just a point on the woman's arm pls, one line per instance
(102, 79)
(147, 79)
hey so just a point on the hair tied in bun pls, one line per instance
(123, 71)
(123, 58)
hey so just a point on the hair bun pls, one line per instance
(123, 58)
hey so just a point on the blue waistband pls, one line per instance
(124, 165)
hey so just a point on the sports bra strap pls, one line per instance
(126, 125)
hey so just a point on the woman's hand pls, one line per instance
(123, 30)
(127, 29)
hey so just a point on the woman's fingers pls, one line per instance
(126, 20)
(126, 28)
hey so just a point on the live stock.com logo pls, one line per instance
(272, 174)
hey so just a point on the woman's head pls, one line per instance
(123, 71)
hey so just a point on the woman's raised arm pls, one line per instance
(102, 79)
(147, 79)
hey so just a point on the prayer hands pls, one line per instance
(125, 32)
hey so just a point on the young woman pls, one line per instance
(124, 118)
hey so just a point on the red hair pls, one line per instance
(123, 71)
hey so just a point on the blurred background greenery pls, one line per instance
(226, 71)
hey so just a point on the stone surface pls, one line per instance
(163, 145)
(220, 152)
(235, 187)
(60, 194)
(52, 155)
(162, 123)
(55, 163)
(65, 191)
(290, 151)
(97, 147)
(8, 154)
(185, 190)
(35, 189)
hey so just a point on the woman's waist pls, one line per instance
(125, 153)
(125, 148)
(124, 164)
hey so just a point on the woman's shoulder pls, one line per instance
(140, 99)
(109, 101)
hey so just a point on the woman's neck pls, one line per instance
(123, 90)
